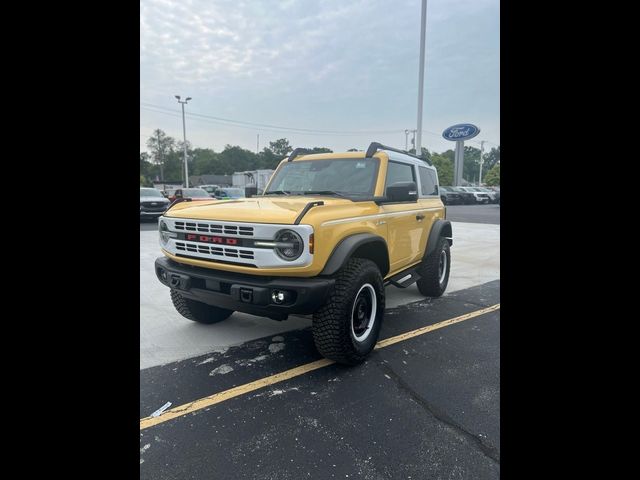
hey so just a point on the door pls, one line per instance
(404, 226)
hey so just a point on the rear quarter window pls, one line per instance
(428, 182)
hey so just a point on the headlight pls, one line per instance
(165, 234)
(289, 245)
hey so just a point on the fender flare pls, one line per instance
(348, 246)
(440, 228)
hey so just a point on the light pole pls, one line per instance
(481, 152)
(184, 136)
(406, 140)
(423, 24)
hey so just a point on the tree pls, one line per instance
(236, 159)
(204, 161)
(280, 147)
(319, 150)
(268, 160)
(145, 164)
(493, 176)
(353, 150)
(161, 146)
(444, 166)
(491, 158)
(471, 167)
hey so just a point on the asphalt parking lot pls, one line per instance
(489, 214)
(251, 398)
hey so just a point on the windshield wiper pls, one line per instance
(277, 192)
(324, 192)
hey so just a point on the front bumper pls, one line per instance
(244, 293)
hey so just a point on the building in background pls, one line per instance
(257, 178)
(220, 180)
(166, 185)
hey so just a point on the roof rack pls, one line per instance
(296, 152)
(375, 146)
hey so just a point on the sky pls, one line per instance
(321, 73)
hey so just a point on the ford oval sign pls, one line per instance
(462, 131)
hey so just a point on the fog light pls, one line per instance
(278, 296)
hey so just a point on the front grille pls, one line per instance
(154, 205)
(237, 230)
(215, 251)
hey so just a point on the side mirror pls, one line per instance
(402, 192)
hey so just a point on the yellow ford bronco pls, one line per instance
(330, 231)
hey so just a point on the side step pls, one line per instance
(405, 278)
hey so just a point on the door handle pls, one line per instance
(420, 217)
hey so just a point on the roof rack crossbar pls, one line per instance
(375, 146)
(296, 152)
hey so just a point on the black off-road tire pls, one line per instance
(432, 283)
(198, 311)
(332, 329)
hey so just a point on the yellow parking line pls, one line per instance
(420, 331)
(294, 372)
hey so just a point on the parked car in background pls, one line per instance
(229, 193)
(449, 197)
(468, 198)
(479, 195)
(493, 197)
(210, 189)
(193, 194)
(152, 203)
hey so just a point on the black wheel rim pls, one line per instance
(363, 312)
(442, 266)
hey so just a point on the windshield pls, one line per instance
(194, 192)
(344, 176)
(209, 189)
(231, 192)
(150, 192)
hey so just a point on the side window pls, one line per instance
(428, 182)
(399, 172)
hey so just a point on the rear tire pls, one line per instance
(435, 269)
(198, 311)
(346, 327)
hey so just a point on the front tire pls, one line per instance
(435, 269)
(198, 311)
(346, 327)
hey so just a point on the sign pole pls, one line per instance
(458, 163)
